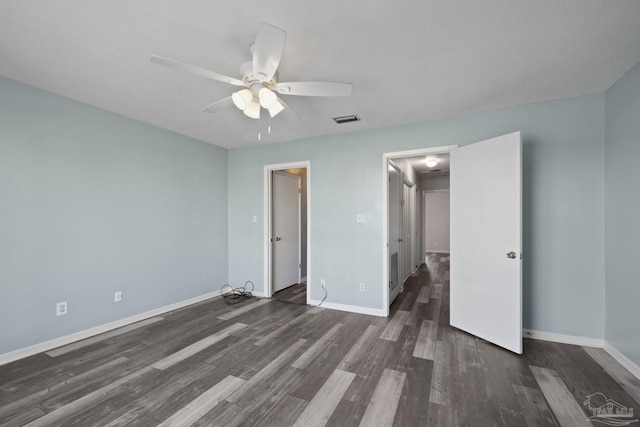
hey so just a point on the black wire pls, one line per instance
(325, 297)
(235, 296)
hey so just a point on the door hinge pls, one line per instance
(299, 266)
(298, 190)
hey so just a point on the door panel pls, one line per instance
(486, 225)
(406, 231)
(395, 234)
(286, 230)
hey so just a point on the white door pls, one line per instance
(395, 232)
(286, 230)
(486, 240)
(406, 231)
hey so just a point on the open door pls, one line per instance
(486, 240)
(395, 233)
(286, 230)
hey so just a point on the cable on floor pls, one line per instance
(233, 296)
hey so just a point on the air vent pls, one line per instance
(346, 119)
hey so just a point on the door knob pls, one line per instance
(511, 255)
(399, 240)
(278, 239)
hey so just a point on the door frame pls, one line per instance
(385, 207)
(298, 180)
(268, 194)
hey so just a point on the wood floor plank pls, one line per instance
(369, 372)
(178, 356)
(76, 387)
(423, 296)
(382, 409)
(244, 309)
(303, 361)
(285, 412)
(534, 406)
(626, 379)
(101, 337)
(346, 414)
(285, 326)
(498, 384)
(443, 380)
(13, 409)
(203, 403)
(426, 343)
(395, 325)
(436, 291)
(443, 416)
(414, 401)
(565, 408)
(93, 398)
(21, 417)
(360, 349)
(319, 410)
(268, 370)
(133, 417)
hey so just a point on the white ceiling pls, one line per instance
(409, 61)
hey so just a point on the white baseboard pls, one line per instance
(622, 359)
(350, 308)
(87, 333)
(564, 339)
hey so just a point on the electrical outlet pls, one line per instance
(361, 218)
(117, 296)
(61, 308)
(323, 283)
(363, 287)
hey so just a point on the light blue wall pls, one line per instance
(563, 207)
(92, 202)
(623, 215)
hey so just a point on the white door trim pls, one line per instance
(268, 285)
(385, 206)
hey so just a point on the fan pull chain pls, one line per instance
(269, 125)
(259, 119)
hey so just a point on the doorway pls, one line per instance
(286, 231)
(403, 225)
(485, 237)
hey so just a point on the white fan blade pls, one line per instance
(289, 114)
(314, 88)
(267, 51)
(218, 105)
(196, 70)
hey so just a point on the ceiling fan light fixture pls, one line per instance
(267, 98)
(276, 108)
(252, 110)
(431, 161)
(242, 98)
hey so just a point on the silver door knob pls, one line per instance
(511, 255)
(278, 239)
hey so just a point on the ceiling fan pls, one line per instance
(260, 78)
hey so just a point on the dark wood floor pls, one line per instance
(276, 364)
(296, 294)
